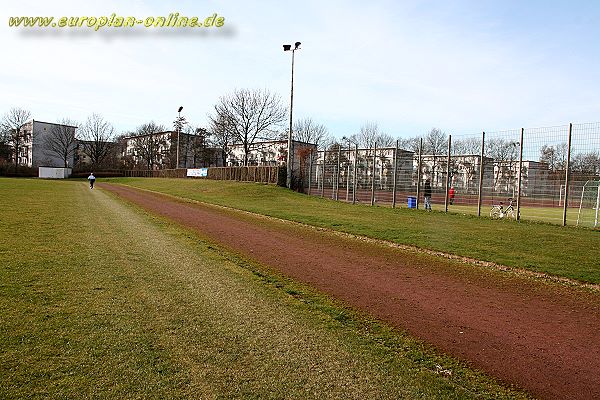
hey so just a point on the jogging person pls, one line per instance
(92, 179)
(427, 194)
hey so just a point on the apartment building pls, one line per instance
(273, 152)
(34, 150)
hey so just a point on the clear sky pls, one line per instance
(461, 66)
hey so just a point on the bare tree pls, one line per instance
(222, 136)
(435, 144)
(469, 146)
(193, 148)
(554, 156)
(561, 156)
(97, 135)
(587, 164)
(13, 134)
(505, 154)
(251, 115)
(202, 154)
(187, 139)
(179, 124)
(308, 131)
(410, 144)
(147, 144)
(370, 135)
(330, 141)
(62, 141)
(465, 153)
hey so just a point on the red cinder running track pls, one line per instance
(542, 337)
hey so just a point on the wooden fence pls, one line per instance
(157, 173)
(247, 174)
(262, 174)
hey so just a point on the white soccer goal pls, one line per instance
(561, 195)
(589, 205)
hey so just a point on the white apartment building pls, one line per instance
(534, 177)
(325, 167)
(153, 150)
(33, 151)
(159, 151)
(265, 153)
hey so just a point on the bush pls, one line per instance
(23, 172)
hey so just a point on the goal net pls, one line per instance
(589, 205)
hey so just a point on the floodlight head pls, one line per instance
(180, 108)
(287, 47)
(297, 45)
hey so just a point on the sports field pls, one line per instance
(99, 299)
(552, 215)
(567, 252)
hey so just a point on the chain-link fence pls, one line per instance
(545, 174)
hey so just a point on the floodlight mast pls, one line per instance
(178, 132)
(288, 47)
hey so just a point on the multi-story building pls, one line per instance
(159, 151)
(464, 170)
(111, 154)
(150, 151)
(326, 165)
(534, 177)
(34, 150)
(272, 152)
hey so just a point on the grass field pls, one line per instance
(560, 251)
(553, 215)
(100, 300)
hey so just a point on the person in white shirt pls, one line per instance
(92, 179)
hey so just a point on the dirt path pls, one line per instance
(543, 338)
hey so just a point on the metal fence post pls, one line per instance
(567, 175)
(520, 179)
(597, 207)
(310, 171)
(419, 171)
(394, 175)
(373, 175)
(337, 178)
(355, 181)
(447, 174)
(348, 175)
(481, 169)
(323, 176)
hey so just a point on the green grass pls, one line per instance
(561, 251)
(100, 300)
(553, 215)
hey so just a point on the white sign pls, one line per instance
(197, 172)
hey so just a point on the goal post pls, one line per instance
(561, 195)
(597, 206)
(589, 204)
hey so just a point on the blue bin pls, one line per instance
(412, 202)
